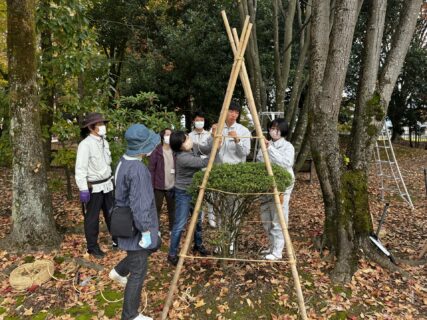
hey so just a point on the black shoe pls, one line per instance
(96, 252)
(173, 260)
(201, 250)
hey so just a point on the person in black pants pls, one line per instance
(94, 179)
(134, 191)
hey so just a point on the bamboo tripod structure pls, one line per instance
(238, 47)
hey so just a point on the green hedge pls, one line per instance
(249, 177)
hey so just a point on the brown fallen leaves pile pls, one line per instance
(209, 289)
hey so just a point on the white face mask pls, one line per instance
(167, 139)
(275, 134)
(102, 131)
(199, 124)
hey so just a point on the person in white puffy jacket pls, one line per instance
(282, 153)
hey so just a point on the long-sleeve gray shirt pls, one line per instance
(281, 152)
(187, 164)
(134, 190)
(202, 142)
(230, 151)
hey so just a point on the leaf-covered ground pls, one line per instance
(235, 290)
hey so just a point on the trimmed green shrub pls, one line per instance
(247, 183)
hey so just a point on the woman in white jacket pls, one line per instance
(282, 153)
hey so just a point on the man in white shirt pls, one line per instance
(234, 149)
(94, 179)
(236, 142)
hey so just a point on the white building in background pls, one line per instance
(423, 129)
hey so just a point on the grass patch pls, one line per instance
(2, 310)
(339, 315)
(82, 312)
(40, 316)
(59, 259)
(19, 300)
(29, 259)
(343, 291)
(111, 309)
(59, 275)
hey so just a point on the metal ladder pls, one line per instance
(388, 168)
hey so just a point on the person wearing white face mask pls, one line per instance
(282, 153)
(201, 138)
(162, 170)
(134, 191)
(187, 164)
(94, 179)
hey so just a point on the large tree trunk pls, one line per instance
(248, 7)
(344, 187)
(325, 106)
(32, 218)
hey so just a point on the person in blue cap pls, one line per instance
(134, 190)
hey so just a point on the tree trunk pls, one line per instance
(282, 66)
(116, 55)
(248, 7)
(298, 130)
(344, 187)
(368, 110)
(399, 47)
(325, 106)
(48, 89)
(32, 218)
(298, 83)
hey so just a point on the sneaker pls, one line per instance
(96, 252)
(264, 252)
(272, 257)
(142, 317)
(118, 278)
(201, 250)
(114, 245)
(231, 248)
(211, 220)
(173, 260)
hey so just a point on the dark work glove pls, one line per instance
(84, 196)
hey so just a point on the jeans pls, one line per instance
(183, 210)
(169, 195)
(135, 264)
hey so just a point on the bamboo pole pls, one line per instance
(246, 31)
(234, 42)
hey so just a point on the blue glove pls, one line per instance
(145, 239)
(84, 196)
